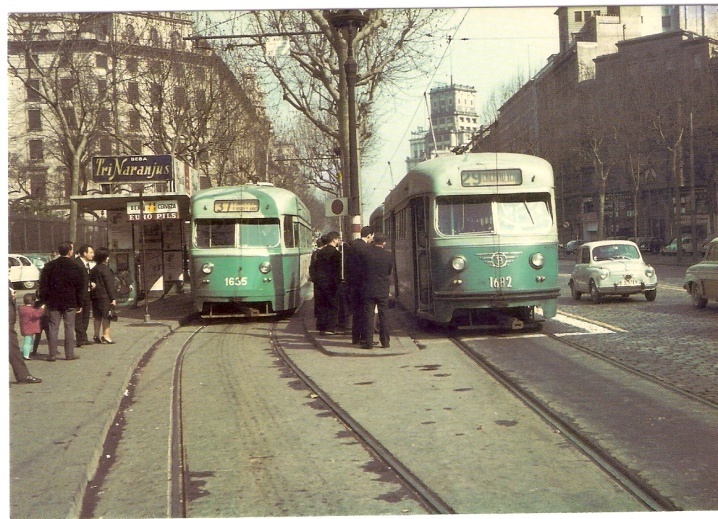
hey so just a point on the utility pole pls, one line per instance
(348, 22)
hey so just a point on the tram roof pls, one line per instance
(442, 175)
(273, 200)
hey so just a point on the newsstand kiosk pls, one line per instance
(146, 202)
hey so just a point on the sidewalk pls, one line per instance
(57, 428)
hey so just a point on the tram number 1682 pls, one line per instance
(500, 282)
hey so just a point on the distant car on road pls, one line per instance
(612, 267)
(702, 278)
(672, 248)
(652, 245)
(23, 273)
(573, 245)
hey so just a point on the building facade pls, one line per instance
(98, 84)
(626, 114)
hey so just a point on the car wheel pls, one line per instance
(574, 293)
(696, 297)
(595, 294)
(29, 284)
(651, 294)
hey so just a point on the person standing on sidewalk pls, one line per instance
(327, 269)
(62, 290)
(17, 363)
(355, 278)
(379, 264)
(30, 323)
(85, 254)
(104, 298)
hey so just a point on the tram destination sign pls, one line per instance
(491, 177)
(132, 169)
(153, 210)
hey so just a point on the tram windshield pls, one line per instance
(221, 233)
(522, 213)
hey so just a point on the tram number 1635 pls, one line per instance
(500, 282)
(235, 282)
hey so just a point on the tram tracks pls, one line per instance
(650, 497)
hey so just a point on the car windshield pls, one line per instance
(615, 252)
(525, 213)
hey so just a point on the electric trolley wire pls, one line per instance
(419, 103)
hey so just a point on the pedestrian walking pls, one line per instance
(84, 259)
(103, 295)
(355, 273)
(30, 315)
(327, 276)
(62, 290)
(17, 363)
(375, 290)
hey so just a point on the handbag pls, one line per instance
(112, 315)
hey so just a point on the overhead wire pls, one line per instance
(419, 103)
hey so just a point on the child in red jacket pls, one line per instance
(30, 326)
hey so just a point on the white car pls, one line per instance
(612, 267)
(23, 272)
(702, 278)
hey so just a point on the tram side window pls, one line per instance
(290, 240)
(215, 233)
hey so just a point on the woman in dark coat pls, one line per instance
(103, 295)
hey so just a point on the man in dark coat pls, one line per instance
(326, 278)
(379, 264)
(62, 291)
(85, 254)
(354, 276)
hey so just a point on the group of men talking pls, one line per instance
(360, 272)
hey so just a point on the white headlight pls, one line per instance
(650, 272)
(265, 267)
(207, 268)
(536, 260)
(458, 263)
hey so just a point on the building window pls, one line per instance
(130, 33)
(136, 146)
(577, 16)
(66, 93)
(32, 60)
(38, 186)
(176, 41)
(133, 92)
(34, 119)
(134, 118)
(155, 94)
(101, 61)
(157, 122)
(132, 65)
(36, 151)
(155, 37)
(105, 146)
(101, 87)
(105, 118)
(32, 88)
(69, 114)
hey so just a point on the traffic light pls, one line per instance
(337, 207)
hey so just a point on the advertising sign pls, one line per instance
(135, 168)
(153, 210)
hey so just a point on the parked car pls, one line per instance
(38, 259)
(703, 247)
(702, 278)
(652, 245)
(23, 273)
(573, 245)
(672, 248)
(612, 267)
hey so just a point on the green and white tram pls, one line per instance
(250, 250)
(475, 240)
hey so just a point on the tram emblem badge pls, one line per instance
(499, 259)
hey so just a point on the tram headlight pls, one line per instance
(265, 267)
(207, 268)
(536, 260)
(458, 263)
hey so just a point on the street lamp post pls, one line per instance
(348, 22)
